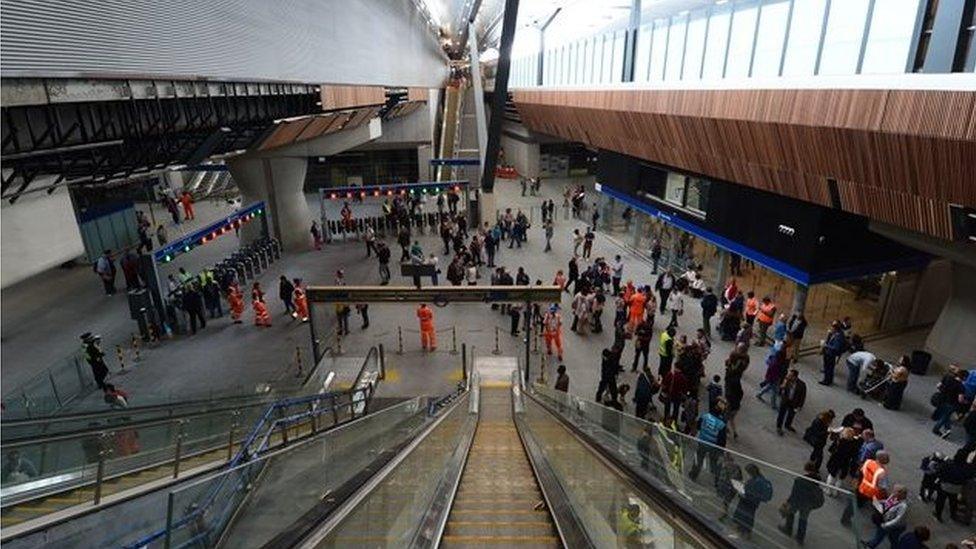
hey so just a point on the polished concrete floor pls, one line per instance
(43, 316)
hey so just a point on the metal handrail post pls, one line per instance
(179, 449)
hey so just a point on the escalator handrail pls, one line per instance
(264, 396)
(244, 456)
(640, 484)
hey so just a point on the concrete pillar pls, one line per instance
(721, 270)
(952, 336)
(424, 154)
(486, 205)
(800, 298)
(636, 229)
(280, 183)
(524, 156)
(609, 204)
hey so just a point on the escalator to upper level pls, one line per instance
(501, 469)
(498, 500)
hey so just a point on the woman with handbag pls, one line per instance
(805, 496)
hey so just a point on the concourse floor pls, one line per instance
(44, 315)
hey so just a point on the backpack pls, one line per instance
(764, 490)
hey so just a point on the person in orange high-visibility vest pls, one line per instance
(637, 309)
(752, 307)
(261, 315)
(428, 337)
(552, 331)
(873, 485)
(629, 290)
(187, 202)
(236, 299)
(765, 316)
(300, 301)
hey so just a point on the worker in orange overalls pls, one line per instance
(300, 301)
(261, 315)
(236, 299)
(428, 337)
(637, 309)
(187, 202)
(765, 317)
(552, 330)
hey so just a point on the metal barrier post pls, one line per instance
(382, 352)
(298, 361)
(135, 349)
(535, 340)
(120, 355)
(338, 349)
(179, 449)
(230, 439)
(399, 340)
(497, 351)
(464, 361)
(100, 471)
(454, 340)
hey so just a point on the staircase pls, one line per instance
(498, 501)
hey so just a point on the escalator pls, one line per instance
(501, 470)
(498, 500)
(70, 463)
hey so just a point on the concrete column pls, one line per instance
(721, 270)
(424, 154)
(524, 156)
(636, 228)
(800, 298)
(486, 205)
(280, 183)
(952, 336)
(609, 205)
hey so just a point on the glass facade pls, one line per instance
(739, 39)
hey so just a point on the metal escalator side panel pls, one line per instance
(388, 506)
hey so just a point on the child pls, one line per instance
(714, 392)
(930, 472)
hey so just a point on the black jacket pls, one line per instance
(709, 304)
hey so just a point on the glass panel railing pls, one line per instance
(391, 514)
(57, 386)
(609, 509)
(202, 511)
(56, 464)
(742, 497)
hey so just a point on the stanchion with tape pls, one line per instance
(298, 362)
(120, 354)
(338, 349)
(497, 351)
(137, 355)
(535, 340)
(454, 348)
(399, 340)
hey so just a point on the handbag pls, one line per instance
(785, 509)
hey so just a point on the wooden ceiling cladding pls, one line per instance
(900, 156)
(344, 97)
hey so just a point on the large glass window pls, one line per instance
(804, 39)
(618, 56)
(740, 43)
(718, 38)
(676, 46)
(659, 50)
(769, 40)
(643, 54)
(890, 37)
(842, 42)
(606, 69)
(588, 61)
(674, 191)
(696, 197)
(695, 46)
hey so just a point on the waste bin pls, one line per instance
(920, 362)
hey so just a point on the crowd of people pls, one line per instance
(682, 397)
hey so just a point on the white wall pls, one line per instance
(524, 156)
(37, 232)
